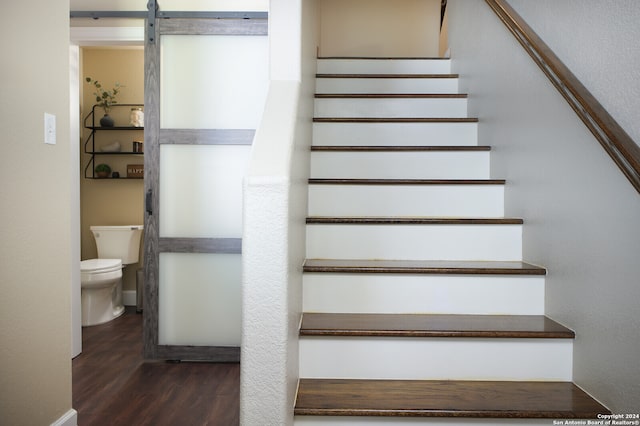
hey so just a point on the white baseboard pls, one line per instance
(70, 418)
(129, 298)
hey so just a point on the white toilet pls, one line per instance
(101, 279)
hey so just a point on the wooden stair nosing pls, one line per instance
(444, 398)
(434, 267)
(394, 120)
(347, 181)
(391, 96)
(387, 58)
(402, 148)
(433, 326)
(384, 76)
(352, 220)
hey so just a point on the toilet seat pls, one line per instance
(100, 265)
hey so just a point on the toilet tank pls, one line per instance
(118, 242)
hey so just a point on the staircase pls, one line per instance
(417, 303)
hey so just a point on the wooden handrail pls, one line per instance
(618, 144)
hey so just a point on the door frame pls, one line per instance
(85, 37)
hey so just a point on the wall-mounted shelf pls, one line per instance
(91, 147)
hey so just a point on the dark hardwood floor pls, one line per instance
(114, 385)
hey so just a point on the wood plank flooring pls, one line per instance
(114, 385)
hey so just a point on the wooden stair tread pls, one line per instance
(391, 96)
(421, 267)
(388, 58)
(387, 76)
(352, 220)
(347, 181)
(433, 325)
(401, 148)
(394, 120)
(442, 398)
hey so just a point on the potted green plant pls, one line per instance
(103, 170)
(105, 99)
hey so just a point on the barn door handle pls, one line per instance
(148, 202)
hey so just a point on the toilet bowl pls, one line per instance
(101, 281)
(101, 278)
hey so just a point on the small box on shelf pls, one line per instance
(135, 170)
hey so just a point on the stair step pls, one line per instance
(443, 398)
(390, 106)
(347, 65)
(325, 181)
(420, 267)
(407, 287)
(391, 96)
(417, 346)
(399, 148)
(414, 238)
(436, 358)
(384, 197)
(429, 325)
(413, 221)
(388, 76)
(422, 286)
(387, 83)
(461, 132)
(402, 120)
(401, 162)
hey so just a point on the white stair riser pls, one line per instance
(412, 421)
(400, 165)
(387, 85)
(391, 108)
(406, 200)
(428, 294)
(384, 66)
(415, 242)
(412, 134)
(436, 358)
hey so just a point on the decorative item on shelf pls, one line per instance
(115, 175)
(113, 147)
(105, 99)
(103, 170)
(107, 121)
(136, 118)
(135, 170)
(138, 147)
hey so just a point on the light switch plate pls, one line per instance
(49, 128)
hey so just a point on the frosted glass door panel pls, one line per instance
(199, 299)
(201, 187)
(213, 82)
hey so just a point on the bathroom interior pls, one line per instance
(111, 201)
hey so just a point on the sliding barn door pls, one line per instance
(205, 86)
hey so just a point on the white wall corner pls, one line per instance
(70, 418)
(265, 331)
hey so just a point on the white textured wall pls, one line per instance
(581, 214)
(35, 212)
(598, 41)
(275, 206)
